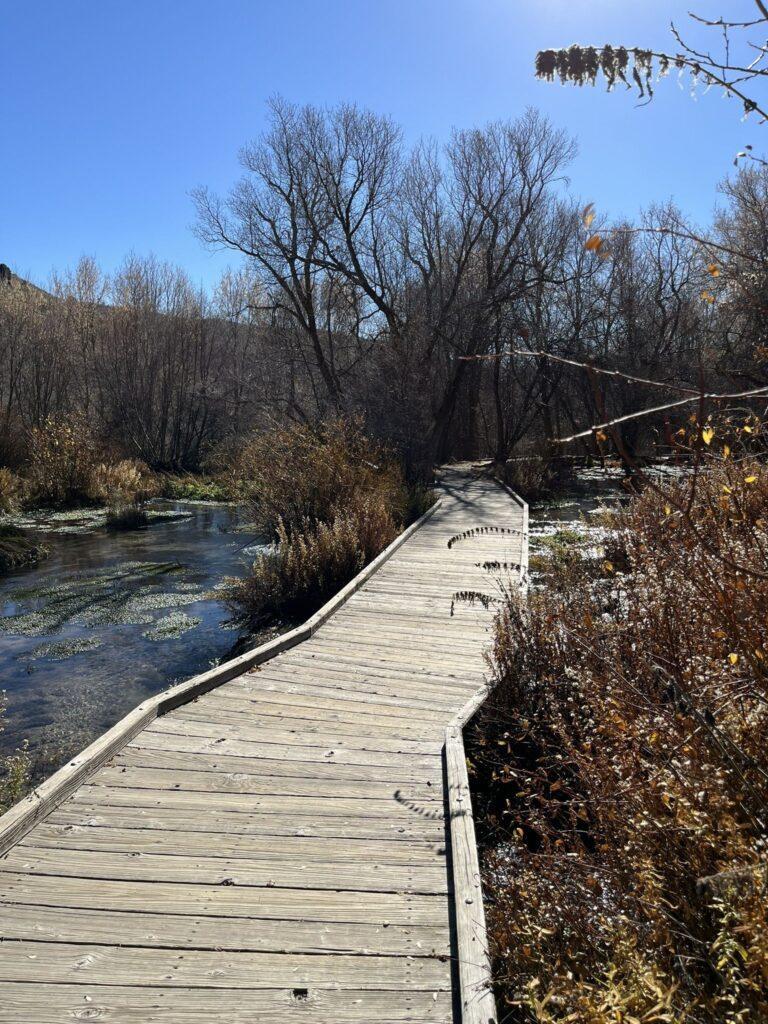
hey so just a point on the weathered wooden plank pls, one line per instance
(353, 667)
(478, 1004)
(365, 876)
(233, 901)
(130, 770)
(268, 702)
(326, 745)
(190, 819)
(301, 849)
(176, 931)
(31, 1003)
(446, 674)
(308, 724)
(63, 963)
(304, 770)
(400, 809)
(433, 693)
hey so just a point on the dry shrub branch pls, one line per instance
(331, 499)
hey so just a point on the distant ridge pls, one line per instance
(10, 280)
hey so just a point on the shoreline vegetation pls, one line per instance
(619, 765)
(67, 470)
(329, 499)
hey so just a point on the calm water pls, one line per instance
(109, 619)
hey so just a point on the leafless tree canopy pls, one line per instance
(408, 285)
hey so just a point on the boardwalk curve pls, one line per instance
(277, 848)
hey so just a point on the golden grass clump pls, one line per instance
(127, 482)
(621, 770)
(309, 565)
(331, 499)
(12, 491)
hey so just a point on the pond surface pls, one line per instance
(112, 618)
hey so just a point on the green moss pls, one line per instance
(561, 539)
(196, 488)
(103, 598)
(171, 626)
(64, 649)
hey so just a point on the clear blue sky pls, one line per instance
(112, 111)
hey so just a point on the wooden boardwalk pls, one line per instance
(277, 849)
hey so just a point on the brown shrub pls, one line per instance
(332, 499)
(621, 770)
(62, 456)
(307, 474)
(122, 483)
(12, 491)
(536, 477)
(311, 563)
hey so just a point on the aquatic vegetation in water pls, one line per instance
(113, 596)
(65, 648)
(171, 626)
(83, 520)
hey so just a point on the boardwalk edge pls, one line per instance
(17, 821)
(478, 1003)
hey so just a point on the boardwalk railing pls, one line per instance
(478, 1005)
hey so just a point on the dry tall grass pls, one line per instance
(12, 491)
(306, 474)
(68, 467)
(621, 770)
(332, 499)
(311, 564)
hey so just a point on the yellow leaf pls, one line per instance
(588, 214)
(593, 243)
(747, 430)
(707, 434)
(608, 566)
(728, 490)
(713, 269)
(667, 510)
(726, 451)
(708, 296)
(750, 479)
(733, 658)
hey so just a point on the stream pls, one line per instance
(109, 619)
(112, 618)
